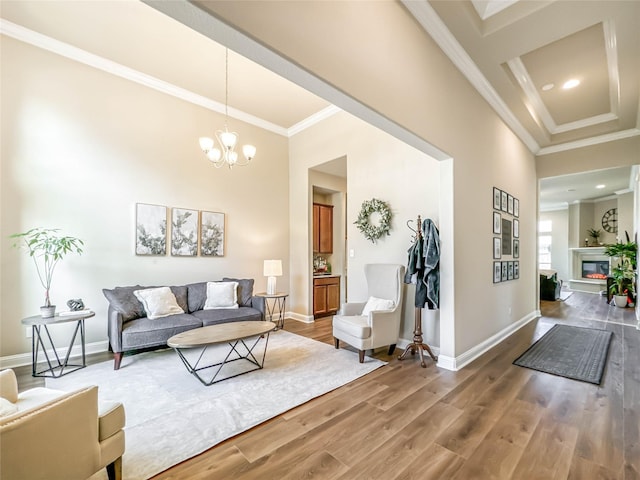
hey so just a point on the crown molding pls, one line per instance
(313, 119)
(433, 25)
(586, 142)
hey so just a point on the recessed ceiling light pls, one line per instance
(574, 82)
(600, 186)
(547, 86)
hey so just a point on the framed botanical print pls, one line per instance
(510, 204)
(497, 222)
(516, 207)
(184, 232)
(504, 199)
(505, 271)
(509, 270)
(497, 248)
(506, 236)
(496, 198)
(516, 270)
(497, 272)
(516, 248)
(211, 234)
(516, 228)
(151, 229)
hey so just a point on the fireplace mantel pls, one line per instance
(576, 256)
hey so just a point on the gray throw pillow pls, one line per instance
(245, 290)
(196, 296)
(125, 302)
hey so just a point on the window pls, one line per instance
(544, 244)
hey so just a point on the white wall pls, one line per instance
(80, 148)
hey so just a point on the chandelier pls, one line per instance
(225, 154)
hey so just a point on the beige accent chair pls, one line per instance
(50, 434)
(379, 327)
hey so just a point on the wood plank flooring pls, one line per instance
(491, 420)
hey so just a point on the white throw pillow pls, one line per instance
(221, 295)
(158, 302)
(7, 408)
(375, 304)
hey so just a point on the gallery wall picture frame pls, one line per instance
(516, 248)
(510, 204)
(497, 272)
(506, 236)
(497, 248)
(184, 232)
(516, 207)
(516, 270)
(505, 271)
(504, 201)
(516, 228)
(497, 222)
(151, 229)
(496, 198)
(509, 270)
(212, 233)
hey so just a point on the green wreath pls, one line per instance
(374, 232)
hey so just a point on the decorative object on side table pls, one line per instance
(380, 226)
(47, 247)
(75, 304)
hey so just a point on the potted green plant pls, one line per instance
(625, 271)
(622, 284)
(47, 247)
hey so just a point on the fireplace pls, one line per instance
(595, 269)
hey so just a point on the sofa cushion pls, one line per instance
(144, 332)
(7, 408)
(196, 296)
(124, 301)
(245, 290)
(221, 295)
(158, 302)
(212, 317)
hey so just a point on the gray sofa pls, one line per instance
(129, 328)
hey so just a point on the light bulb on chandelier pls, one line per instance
(226, 155)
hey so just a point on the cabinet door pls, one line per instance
(316, 228)
(333, 297)
(319, 299)
(325, 221)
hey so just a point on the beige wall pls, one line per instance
(559, 241)
(80, 148)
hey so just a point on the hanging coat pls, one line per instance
(431, 259)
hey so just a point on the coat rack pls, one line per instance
(417, 344)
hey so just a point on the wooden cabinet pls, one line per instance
(326, 296)
(322, 228)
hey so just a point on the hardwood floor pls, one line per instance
(491, 420)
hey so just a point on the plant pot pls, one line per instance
(621, 300)
(48, 312)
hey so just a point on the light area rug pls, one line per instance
(171, 416)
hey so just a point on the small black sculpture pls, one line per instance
(75, 304)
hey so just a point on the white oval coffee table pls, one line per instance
(241, 337)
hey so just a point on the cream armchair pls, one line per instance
(375, 323)
(50, 434)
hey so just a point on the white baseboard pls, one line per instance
(299, 317)
(21, 359)
(459, 362)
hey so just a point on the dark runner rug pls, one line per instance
(573, 352)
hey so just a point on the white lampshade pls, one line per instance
(206, 144)
(272, 269)
(249, 151)
(228, 139)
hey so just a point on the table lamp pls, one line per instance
(272, 269)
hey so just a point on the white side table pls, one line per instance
(278, 299)
(40, 332)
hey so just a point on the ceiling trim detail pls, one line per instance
(433, 25)
(609, 137)
(526, 83)
(313, 119)
(82, 56)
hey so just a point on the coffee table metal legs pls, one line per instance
(233, 355)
